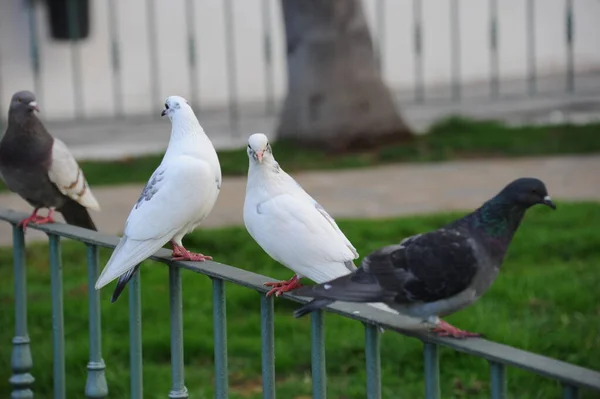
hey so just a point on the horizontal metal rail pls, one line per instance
(571, 376)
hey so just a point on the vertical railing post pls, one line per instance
(151, 24)
(380, 22)
(268, 56)
(58, 332)
(73, 29)
(418, 50)
(95, 385)
(178, 389)
(231, 67)
(570, 392)
(220, 337)
(455, 48)
(267, 335)
(531, 45)
(20, 361)
(135, 338)
(497, 381)
(569, 38)
(115, 58)
(373, 361)
(317, 339)
(34, 50)
(190, 18)
(494, 59)
(432, 370)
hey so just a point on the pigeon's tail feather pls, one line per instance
(77, 215)
(313, 305)
(126, 256)
(123, 280)
(359, 286)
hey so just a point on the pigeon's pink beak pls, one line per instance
(259, 156)
(33, 105)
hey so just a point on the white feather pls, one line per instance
(178, 197)
(68, 177)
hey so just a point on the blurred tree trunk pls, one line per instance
(336, 97)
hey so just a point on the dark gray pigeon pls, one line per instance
(41, 169)
(440, 272)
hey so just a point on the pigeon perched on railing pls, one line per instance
(178, 197)
(440, 272)
(289, 224)
(41, 169)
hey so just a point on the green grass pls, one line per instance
(546, 300)
(453, 138)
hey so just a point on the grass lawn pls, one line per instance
(546, 300)
(454, 138)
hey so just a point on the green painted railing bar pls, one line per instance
(571, 376)
(58, 320)
(570, 392)
(418, 50)
(530, 48)
(178, 389)
(373, 360)
(231, 61)
(497, 381)
(317, 346)
(455, 46)
(267, 340)
(190, 25)
(494, 57)
(570, 38)
(95, 385)
(431, 360)
(268, 56)
(115, 58)
(135, 338)
(20, 360)
(153, 61)
(73, 28)
(34, 50)
(220, 337)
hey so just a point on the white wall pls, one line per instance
(57, 84)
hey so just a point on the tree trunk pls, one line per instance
(336, 97)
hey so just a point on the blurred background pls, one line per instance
(108, 65)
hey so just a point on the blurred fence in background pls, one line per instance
(228, 57)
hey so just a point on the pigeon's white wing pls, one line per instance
(324, 213)
(68, 177)
(295, 233)
(178, 194)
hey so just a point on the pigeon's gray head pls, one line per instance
(259, 148)
(174, 105)
(22, 103)
(526, 191)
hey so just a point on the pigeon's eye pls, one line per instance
(166, 106)
(19, 99)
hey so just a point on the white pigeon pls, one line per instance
(289, 224)
(178, 197)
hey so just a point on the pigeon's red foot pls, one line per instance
(34, 218)
(444, 329)
(180, 253)
(283, 286)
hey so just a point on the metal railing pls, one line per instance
(380, 31)
(499, 356)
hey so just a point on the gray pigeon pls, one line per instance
(440, 272)
(41, 169)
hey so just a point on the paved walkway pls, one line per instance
(384, 191)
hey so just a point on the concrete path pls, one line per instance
(386, 191)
